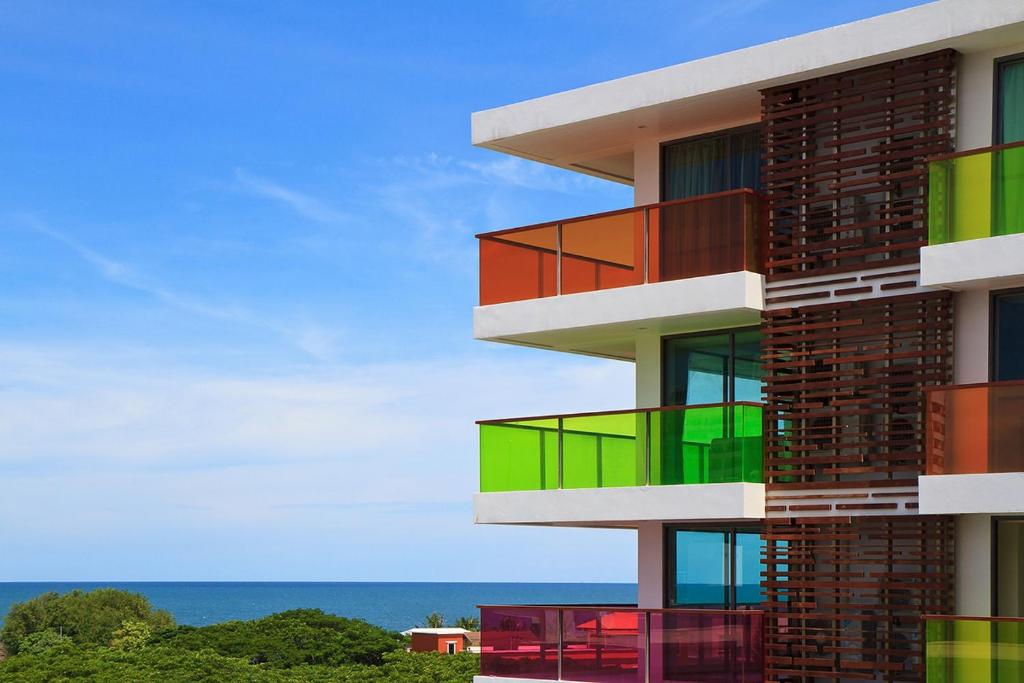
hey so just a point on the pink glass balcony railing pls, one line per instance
(975, 428)
(615, 644)
(706, 235)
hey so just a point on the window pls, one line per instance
(1008, 335)
(729, 160)
(1009, 100)
(720, 367)
(714, 568)
(1007, 575)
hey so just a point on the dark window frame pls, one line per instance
(731, 331)
(723, 132)
(669, 559)
(993, 355)
(998, 65)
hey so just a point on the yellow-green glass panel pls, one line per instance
(603, 450)
(519, 456)
(976, 195)
(974, 651)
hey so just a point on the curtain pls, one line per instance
(694, 168)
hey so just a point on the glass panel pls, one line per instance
(974, 651)
(702, 647)
(1009, 570)
(747, 367)
(697, 370)
(603, 645)
(519, 456)
(705, 236)
(712, 368)
(747, 556)
(1011, 101)
(519, 642)
(702, 568)
(603, 450)
(707, 445)
(518, 265)
(976, 429)
(976, 195)
(603, 252)
(1008, 333)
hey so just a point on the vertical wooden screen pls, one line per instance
(844, 172)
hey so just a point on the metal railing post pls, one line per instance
(647, 647)
(560, 644)
(647, 243)
(558, 259)
(647, 448)
(560, 429)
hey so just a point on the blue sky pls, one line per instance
(238, 272)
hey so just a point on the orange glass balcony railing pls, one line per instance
(975, 428)
(706, 235)
(616, 644)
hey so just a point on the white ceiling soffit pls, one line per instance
(719, 91)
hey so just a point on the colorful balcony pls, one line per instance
(974, 449)
(621, 644)
(682, 462)
(974, 649)
(975, 195)
(696, 258)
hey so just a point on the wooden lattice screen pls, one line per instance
(846, 185)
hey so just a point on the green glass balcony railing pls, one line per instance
(976, 194)
(974, 649)
(679, 445)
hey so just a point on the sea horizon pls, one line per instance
(396, 605)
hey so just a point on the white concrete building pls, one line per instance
(820, 286)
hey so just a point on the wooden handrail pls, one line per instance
(619, 412)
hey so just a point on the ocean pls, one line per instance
(396, 606)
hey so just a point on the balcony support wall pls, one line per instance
(650, 571)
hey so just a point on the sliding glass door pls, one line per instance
(717, 568)
(720, 367)
(729, 160)
(1007, 335)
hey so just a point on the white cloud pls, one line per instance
(301, 203)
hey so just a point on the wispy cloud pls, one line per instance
(313, 340)
(301, 203)
(724, 9)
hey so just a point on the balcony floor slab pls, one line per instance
(623, 507)
(606, 322)
(958, 494)
(985, 263)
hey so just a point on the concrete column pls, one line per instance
(648, 370)
(974, 565)
(970, 332)
(650, 572)
(646, 172)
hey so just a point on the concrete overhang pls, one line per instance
(622, 507)
(962, 494)
(607, 322)
(723, 90)
(985, 263)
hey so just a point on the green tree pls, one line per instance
(435, 620)
(468, 623)
(43, 641)
(88, 618)
(132, 635)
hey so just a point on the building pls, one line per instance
(444, 640)
(819, 286)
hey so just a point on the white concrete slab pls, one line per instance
(986, 263)
(960, 494)
(607, 322)
(622, 506)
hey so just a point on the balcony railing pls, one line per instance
(974, 649)
(975, 428)
(976, 194)
(706, 235)
(621, 644)
(653, 446)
